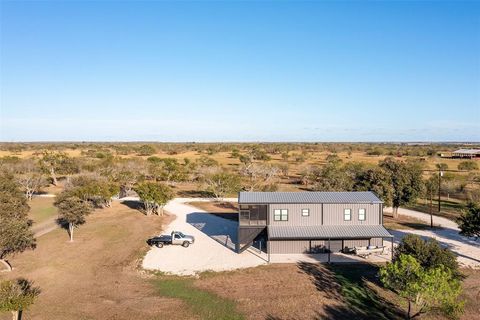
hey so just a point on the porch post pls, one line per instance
(268, 251)
(328, 250)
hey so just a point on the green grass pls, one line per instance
(364, 302)
(42, 209)
(202, 303)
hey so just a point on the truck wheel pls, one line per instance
(159, 245)
(185, 244)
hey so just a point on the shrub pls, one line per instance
(468, 165)
(428, 253)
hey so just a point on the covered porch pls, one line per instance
(321, 242)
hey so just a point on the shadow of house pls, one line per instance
(221, 230)
(350, 285)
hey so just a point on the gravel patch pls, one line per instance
(466, 249)
(213, 249)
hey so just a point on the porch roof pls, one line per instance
(328, 232)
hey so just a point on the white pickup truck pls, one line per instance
(175, 238)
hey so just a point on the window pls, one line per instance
(361, 214)
(280, 215)
(305, 212)
(347, 214)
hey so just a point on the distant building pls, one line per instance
(466, 153)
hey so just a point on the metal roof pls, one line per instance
(308, 197)
(328, 232)
(467, 151)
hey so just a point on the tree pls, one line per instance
(154, 196)
(17, 295)
(126, 174)
(425, 290)
(331, 177)
(29, 177)
(146, 150)
(376, 180)
(222, 183)
(15, 233)
(72, 210)
(166, 169)
(55, 163)
(442, 166)
(468, 165)
(259, 177)
(406, 179)
(95, 189)
(429, 253)
(469, 221)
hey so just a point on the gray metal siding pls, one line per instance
(295, 217)
(293, 246)
(333, 214)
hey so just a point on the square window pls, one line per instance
(277, 214)
(280, 215)
(305, 212)
(347, 214)
(361, 214)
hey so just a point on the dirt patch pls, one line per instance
(96, 276)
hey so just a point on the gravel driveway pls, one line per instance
(213, 248)
(467, 250)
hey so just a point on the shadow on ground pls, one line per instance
(132, 204)
(221, 230)
(352, 285)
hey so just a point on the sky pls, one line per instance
(239, 71)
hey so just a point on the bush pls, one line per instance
(428, 253)
(468, 165)
(146, 150)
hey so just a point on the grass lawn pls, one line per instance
(450, 208)
(42, 209)
(202, 303)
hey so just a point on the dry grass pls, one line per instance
(315, 291)
(95, 277)
(404, 222)
(275, 291)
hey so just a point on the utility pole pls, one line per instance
(431, 209)
(440, 174)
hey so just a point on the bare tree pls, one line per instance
(29, 177)
(259, 176)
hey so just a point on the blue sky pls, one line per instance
(240, 71)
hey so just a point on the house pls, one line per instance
(310, 222)
(466, 153)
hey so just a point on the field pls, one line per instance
(294, 158)
(97, 277)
